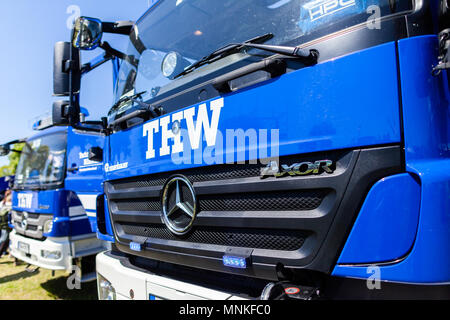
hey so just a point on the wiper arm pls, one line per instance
(223, 52)
(146, 106)
(146, 110)
(125, 99)
(308, 56)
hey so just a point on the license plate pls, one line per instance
(24, 247)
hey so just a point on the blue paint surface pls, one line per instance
(387, 222)
(426, 117)
(313, 109)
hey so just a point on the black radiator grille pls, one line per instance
(235, 208)
(284, 240)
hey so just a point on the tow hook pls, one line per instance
(285, 290)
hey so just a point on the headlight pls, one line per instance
(169, 64)
(173, 64)
(51, 254)
(48, 225)
(105, 289)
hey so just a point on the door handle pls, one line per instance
(72, 169)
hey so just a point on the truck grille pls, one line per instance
(288, 220)
(270, 199)
(34, 226)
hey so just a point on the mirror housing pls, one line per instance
(62, 113)
(62, 65)
(5, 149)
(87, 33)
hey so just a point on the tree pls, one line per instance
(13, 157)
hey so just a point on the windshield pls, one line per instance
(42, 162)
(195, 28)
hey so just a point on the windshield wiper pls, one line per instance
(125, 99)
(308, 56)
(223, 52)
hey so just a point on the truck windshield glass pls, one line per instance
(42, 162)
(192, 29)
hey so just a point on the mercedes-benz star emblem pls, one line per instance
(179, 205)
(24, 222)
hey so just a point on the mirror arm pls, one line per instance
(17, 141)
(8, 144)
(116, 53)
(113, 52)
(119, 27)
(92, 65)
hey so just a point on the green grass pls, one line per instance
(18, 284)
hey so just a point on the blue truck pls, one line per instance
(6, 183)
(276, 149)
(58, 180)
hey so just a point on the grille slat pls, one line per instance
(244, 238)
(261, 201)
(208, 173)
(267, 201)
(138, 205)
(213, 173)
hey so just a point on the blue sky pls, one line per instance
(28, 31)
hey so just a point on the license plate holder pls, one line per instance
(24, 247)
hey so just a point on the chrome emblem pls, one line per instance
(296, 169)
(24, 222)
(179, 205)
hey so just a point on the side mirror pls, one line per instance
(5, 149)
(87, 33)
(61, 113)
(66, 58)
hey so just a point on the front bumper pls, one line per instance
(69, 248)
(146, 285)
(33, 254)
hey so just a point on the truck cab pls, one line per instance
(279, 149)
(54, 200)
